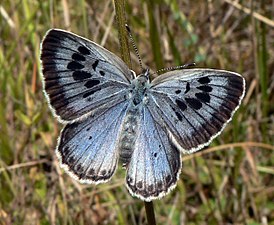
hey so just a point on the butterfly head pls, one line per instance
(144, 76)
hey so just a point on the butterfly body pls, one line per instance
(130, 128)
(111, 115)
(137, 97)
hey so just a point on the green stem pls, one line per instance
(122, 32)
(155, 39)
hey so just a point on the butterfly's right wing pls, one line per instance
(80, 76)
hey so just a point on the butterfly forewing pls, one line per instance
(79, 75)
(195, 105)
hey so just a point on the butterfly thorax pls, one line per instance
(139, 87)
(138, 98)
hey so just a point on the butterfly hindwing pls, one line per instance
(155, 163)
(195, 104)
(79, 75)
(88, 149)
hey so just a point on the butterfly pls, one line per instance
(112, 115)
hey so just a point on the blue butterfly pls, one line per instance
(110, 114)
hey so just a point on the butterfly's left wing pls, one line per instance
(194, 105)
(155, 164)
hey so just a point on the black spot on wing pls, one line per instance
(194, 103)
(78, 57)
(103, 172)
(203, 97)
(79, 170)
(159, 185)
(205, 88)
(73, 65)
(179, 116)
(91, 172)
(84, 50)
(92, 83)
(70, 161)
(150, 188)
(91, 92)
(95, 64)
(102, 73)
(139, 184)
(168, 179)
(66, 151)
(187, 87)
(81, 75)
(181, 104)
(178, 92)
(204, 80)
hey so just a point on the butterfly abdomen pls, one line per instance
(128, 135)
(137, 97)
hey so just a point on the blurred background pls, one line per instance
(229, 182)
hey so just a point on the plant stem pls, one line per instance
(150, 213)
(122, 32)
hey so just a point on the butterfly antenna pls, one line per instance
(134, 46)
(175, 68)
